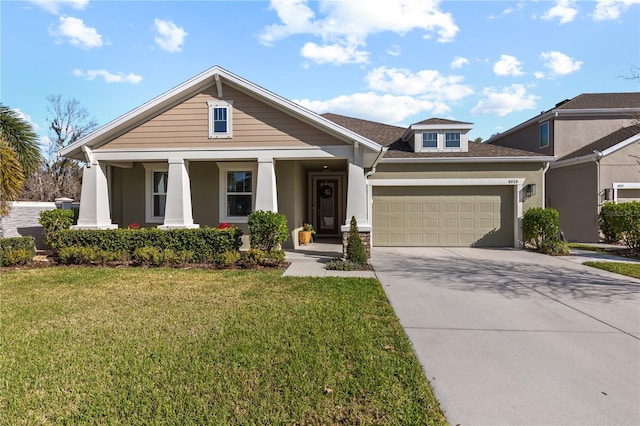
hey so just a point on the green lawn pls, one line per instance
(169, 346)
(628, 269)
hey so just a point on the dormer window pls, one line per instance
(220, 123)
(452, 140)
(430, 140)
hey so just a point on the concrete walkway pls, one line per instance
(518, 338)
(309, 261)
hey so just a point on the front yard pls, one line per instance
(147, 346)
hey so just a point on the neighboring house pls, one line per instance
(596, 140)
(218, 147)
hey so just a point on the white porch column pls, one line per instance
(357, 199)
(177, 213)
(266, 192)
(94, 199)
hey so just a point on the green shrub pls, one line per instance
(228, 258)
(252, 257)
(204, 243)
(621, 222)
(17, 251)
(342, 265)
(274, 257)
(356, 251)
(177, 258)
(55, 220)
(267, 230)
(148, 256)
(77, 255)
(540, 228)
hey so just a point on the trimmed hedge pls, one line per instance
(621, 222)
(267, 230)
(17, 251)
(541, 229)
(206, 244)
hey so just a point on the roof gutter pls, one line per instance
(532, 159)
(383, 150)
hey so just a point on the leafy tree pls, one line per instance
(61, 177)
(19, 156)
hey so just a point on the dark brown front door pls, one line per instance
(327, 219)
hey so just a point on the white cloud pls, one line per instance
(108, 76)
(394, 50)
(170, 36)
(373, 106)
(77, 33)
(611, 9)
(334, 53)
(510, 99)
(564, 10)
(508, 11)
(426, 84)
(27, 118)
(507, 65)
(349, 23)
(54, 6)
(559, 63)
(459, 62)
(539, 74)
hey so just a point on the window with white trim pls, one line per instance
(452, 140)
(430, 140)
(220, 119)
(237, 191)
(543, 138)
(157, 176)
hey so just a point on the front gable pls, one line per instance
(252, 124)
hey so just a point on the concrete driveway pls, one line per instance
(513, 337)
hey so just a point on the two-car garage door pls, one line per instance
(481, 216)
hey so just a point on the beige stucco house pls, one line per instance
(596, 140)
(218, 147)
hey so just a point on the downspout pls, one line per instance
(375, 163)
(597, 157)
(544, 184)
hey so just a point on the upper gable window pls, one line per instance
(544, 134)
(220, 119)
(452, 140)
(430, 140)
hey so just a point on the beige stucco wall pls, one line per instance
(573, 134)
(254, 124)
(291, 183)
(620, 166)
(573, 191)
(530, 172)
(527, 139)
(205, 192)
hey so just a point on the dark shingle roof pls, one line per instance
(602, 100)
(606, 142)
(437, 121)
(390, 136)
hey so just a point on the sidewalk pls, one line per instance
(309, 261)
(581, 256)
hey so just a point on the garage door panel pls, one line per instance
(443, 216)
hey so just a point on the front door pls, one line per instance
(327, 206)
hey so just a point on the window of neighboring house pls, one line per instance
(452, 140)
(430, 140)
(544, 135)
(237, 191)
(220, 123)
(157, 176)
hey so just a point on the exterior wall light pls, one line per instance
(530, 190)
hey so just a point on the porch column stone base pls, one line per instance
(365, 236)
(94, 206)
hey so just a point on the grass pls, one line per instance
(167, 346)
(587, 247)
(628, 269)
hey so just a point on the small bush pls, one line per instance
(77, 255)
(16, 251)
(342, 265)
(274, 257)
(267, 230)
(252, 257)
(621, 222)
(177, 258)
(228, 258)
(356, 251)
(55, 220)
(148, 256)
(541, 228)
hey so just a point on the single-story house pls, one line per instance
(595, 138)
(218, 147)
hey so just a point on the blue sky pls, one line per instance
(493, 63)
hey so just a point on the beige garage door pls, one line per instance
(479, 216)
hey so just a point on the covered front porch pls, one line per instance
(188, 193)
